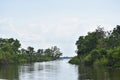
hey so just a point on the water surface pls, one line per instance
(56, 70)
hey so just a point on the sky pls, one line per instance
(46, 23)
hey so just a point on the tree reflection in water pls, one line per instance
(98, 73)
(9, 72)
(57, 70)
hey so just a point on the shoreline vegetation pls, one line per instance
(98, 48)
(12, 53)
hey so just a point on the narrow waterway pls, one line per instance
(56, 70)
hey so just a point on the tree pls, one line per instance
(30, 50)
(80, 45)
(87, 43)
(15, 45)
(116, 32)
(23, 51)
(100, 33)
(99, 48)
(40, 52)
(48, 52)
(55, 52)
(10, 52)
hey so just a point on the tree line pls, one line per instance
(99, 48)
(12, 53)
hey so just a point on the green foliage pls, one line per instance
(102, 62)
(114, 56)
(87, 43)
(10, 53)
(75, 60)
(99, 48)
(88, 60)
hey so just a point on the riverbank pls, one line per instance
(12, 53)
(100, 48)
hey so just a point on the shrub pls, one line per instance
(75, 60)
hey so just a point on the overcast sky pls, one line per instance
(46, 23)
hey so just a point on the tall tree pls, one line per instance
(30, 50)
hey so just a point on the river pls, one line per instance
(56, 70)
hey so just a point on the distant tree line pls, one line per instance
(11, 52)
(99, 48)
